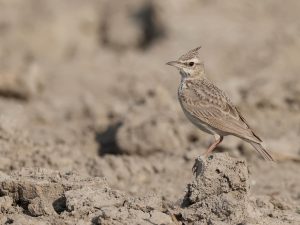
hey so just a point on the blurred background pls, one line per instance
(84, 87)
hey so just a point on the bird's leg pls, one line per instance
(218, 140)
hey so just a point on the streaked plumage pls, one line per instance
(208, 107)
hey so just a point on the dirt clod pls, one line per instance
(219, 193)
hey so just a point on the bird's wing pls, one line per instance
(206, 102)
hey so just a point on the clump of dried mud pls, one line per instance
(67, 198)
(91, 131)
(219, 192)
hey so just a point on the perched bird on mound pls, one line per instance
(208, 107)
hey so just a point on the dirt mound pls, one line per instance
(219, 192)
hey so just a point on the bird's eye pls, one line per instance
(191, 63)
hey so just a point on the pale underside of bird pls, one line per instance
(208, 107)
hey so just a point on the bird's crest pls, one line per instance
(191, 54)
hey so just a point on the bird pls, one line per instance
(209, 108)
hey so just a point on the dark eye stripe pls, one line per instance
(194, 63)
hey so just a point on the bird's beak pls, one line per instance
(175, 64)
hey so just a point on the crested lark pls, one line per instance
(208, 107)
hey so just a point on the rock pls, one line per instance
(24, 219)
(34, 195)
(145, 210)
(157, 217)
(24, 83)
(83, 199)
(3, 220)
(219, 191)
(5, 203)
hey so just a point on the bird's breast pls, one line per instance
(182, 88)
(183, 97)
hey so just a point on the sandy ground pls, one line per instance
(91, 131)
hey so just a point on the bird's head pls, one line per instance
(189, 64)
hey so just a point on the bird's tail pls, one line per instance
(262, 150)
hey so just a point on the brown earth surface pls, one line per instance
(91, 131)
